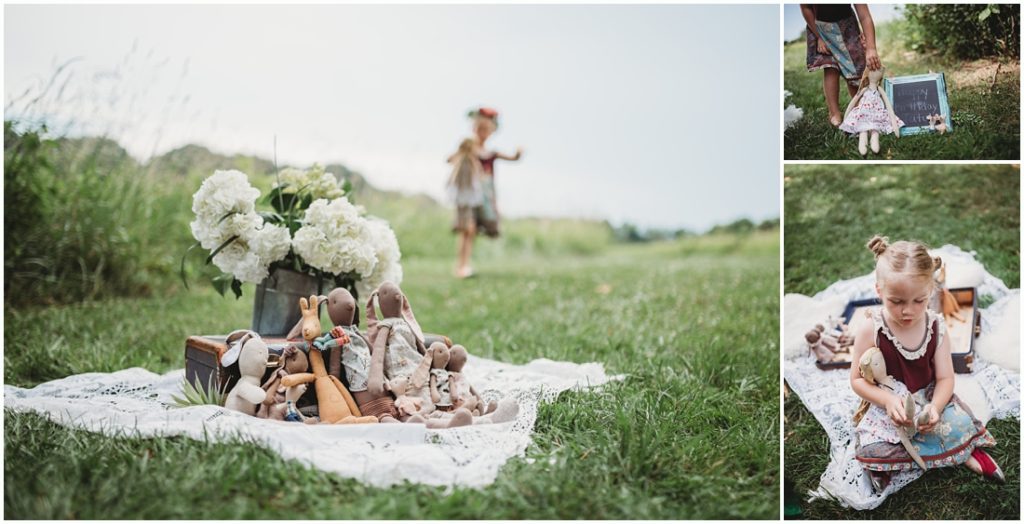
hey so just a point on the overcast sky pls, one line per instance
(664, 116)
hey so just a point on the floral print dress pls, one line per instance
(870, 114)
(949, 443)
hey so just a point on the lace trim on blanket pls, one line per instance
(910, 354)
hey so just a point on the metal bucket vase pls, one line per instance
(275, 309)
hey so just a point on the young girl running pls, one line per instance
(477, 208)
(836, 44)
(913, 342)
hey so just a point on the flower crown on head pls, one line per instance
(485, 112)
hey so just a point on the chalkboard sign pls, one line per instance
(915, 97)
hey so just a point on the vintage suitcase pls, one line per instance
(203, 355)
(961, 333)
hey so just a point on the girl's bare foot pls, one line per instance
(835, 120)
(464, 272)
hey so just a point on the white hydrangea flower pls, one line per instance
(222, 193)
(241, 262)
(335, 238)
(270, 243)
(385, 246)
(225, 209)
(316, 181)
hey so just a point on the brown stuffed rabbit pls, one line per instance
(350, 350)
(293, 361)
(335, 403)
(396, 339)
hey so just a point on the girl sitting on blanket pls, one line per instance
(913, 342)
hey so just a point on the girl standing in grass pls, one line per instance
(476, 208)
(913, 342)
(836, 43)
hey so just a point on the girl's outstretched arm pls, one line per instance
(503, 156)
(944, 381)
(893, 405)
(867, 25)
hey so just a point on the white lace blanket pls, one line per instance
(137, 402)
(990, 391)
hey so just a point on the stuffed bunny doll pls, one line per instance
(247, 393)
(870, 112)
(396, 339)
(462, 392)
(293, 361)
(412, 407)
(335, 403)
(350, 350)
(872, 368)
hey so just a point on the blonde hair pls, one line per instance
(910, 259)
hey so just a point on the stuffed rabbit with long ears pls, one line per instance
(335, 403)
(350, 351)
(872, 368)
(252, 362)
(870, 112)
(396, 339)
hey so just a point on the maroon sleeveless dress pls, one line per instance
(915, 368)
(959, 431)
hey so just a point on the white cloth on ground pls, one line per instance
(136, 402)
(990, 391)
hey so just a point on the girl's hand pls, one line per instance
(933, 419)
(894, 408)
(823, 47)
(519, 153)
(871, 56)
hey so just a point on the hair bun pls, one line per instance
(878, 244)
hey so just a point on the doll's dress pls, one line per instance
(869, 115)
(355, 356)
(443, 388)
(949, 443)
(401, 358)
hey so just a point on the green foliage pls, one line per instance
(197, 395)
(832, 211)
(964, 31)
(692, 431)
(82, 223)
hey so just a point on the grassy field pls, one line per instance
(830, 212)
(691, 433)
(984, 98)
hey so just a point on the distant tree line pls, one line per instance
(629, 232)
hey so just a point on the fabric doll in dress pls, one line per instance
(462, 392)
(414, 395)
(871, 113)
(915, 349)
(396, 339)
(349, 349)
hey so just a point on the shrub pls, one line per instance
(965, 31)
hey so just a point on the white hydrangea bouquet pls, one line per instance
(313, 229)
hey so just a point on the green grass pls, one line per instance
(986, 116)
(830, 212)
(691, 433)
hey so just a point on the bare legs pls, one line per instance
(830, 84)
(462, 268)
